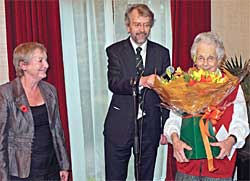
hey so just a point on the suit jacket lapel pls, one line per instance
(48, 98)
(21, 100)
(150, 60)
(130, 57)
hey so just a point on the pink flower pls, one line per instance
(23, 108)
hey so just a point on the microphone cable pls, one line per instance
(141, 124)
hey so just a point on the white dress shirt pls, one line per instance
(143, 54)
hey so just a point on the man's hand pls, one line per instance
(179, 147)
(163, 140)
(148, 81)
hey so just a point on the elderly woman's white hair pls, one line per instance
(209, 38)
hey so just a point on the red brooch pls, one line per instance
(23, 108)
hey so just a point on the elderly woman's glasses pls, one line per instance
(210, 59)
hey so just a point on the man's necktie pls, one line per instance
(139, 72)
(139, 62)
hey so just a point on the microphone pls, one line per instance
(168, 72)
(133, 82)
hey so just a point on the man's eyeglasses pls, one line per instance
(139, 25)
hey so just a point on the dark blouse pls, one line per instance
(43, 158)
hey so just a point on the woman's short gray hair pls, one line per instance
(209, 38)
(142, 9)
(23, 53)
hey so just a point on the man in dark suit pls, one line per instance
(129, 67)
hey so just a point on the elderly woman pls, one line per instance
(32, 145)
(207, 52)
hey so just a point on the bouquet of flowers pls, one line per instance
(194, 91)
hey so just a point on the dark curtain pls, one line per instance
(36, 20)
(188, 19)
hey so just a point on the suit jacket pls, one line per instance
(17, 129)
(119, 122)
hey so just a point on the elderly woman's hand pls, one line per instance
(179, 147)
(225, 146)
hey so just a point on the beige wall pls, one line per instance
(231, 20)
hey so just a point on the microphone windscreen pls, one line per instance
(170, 69)
(168, 72)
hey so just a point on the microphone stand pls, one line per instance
(136, 136)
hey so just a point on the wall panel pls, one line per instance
(231, 20)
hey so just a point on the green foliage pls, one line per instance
(187, 77)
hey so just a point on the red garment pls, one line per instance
(225, 167)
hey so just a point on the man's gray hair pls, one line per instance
(142, 9)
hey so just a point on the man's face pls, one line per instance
(139, 27)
